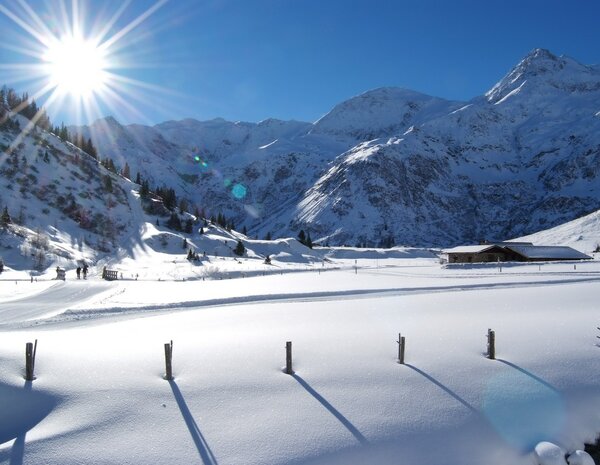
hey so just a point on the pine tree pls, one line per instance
(185, 243)
(268, 236)
(308, 242)
(302, 236)
(138, 179)
(63, 133)
(5, 219)
(108, 185)
(144, 189)
(89, 148)
(183, 205)
(244, 231)
(174, 222)
(239, 249)
(126, 173)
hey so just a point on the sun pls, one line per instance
(76, 66)
(79, 60)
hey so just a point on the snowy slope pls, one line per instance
(582, 234)
(66, 208)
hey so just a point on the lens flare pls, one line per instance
(239, 191)
(523, 409)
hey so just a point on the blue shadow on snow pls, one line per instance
(447, 390)
(205, 453)
(341, 418)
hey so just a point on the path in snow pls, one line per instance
(56, 299)
(49, 315)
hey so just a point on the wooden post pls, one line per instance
(491, 344)
(168, 361)
(30, 351)
(288, 358)
(401, 345)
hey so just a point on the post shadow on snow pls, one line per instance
(528, 373)
(17, 452)
(203, 449)
(341, 418)
(447, 390)
(22, 409)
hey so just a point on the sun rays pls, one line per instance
(74, 60)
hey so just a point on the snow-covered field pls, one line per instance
(99, 396)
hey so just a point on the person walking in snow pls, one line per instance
(85, 270)
(78, 272)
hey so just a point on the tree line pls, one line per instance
(12, 102)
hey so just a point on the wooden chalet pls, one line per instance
(512, 252)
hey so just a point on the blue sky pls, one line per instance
(295, 59)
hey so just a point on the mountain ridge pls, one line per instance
(391, 165)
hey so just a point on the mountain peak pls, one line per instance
(380, 112)
(540, 71)
(540, 54)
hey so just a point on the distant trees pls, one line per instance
(239, 249)
(174, 222)
(5, 218)
(126, 172)
(144, 189)
(23, 105)
(109, 164)
(305, 239)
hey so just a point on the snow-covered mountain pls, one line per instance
(62, 204)
(392, 165)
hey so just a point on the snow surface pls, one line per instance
(99, 395)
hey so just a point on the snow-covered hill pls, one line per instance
(582, 234)
(392, 165)
(64, 208)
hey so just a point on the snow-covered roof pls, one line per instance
(469, 248)
(548, 252)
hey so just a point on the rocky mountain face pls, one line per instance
(392, 166)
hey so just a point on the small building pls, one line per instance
(476, 254)
(512, 252)
(540, 253)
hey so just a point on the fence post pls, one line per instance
(168, 361)
(288, 358)
(30, 351)
(401, 345)
(491, 352)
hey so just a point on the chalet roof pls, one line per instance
(470, 248)
(548, 252)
